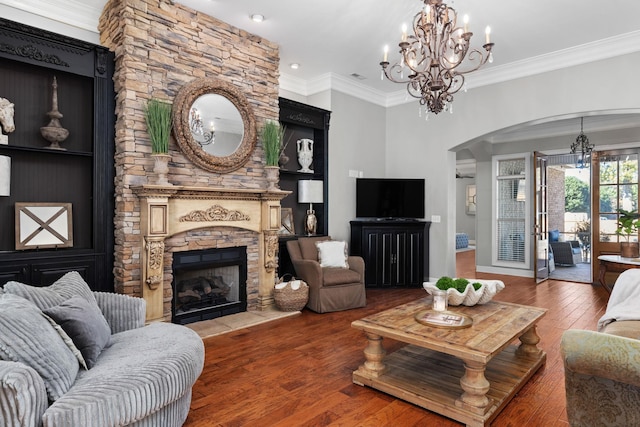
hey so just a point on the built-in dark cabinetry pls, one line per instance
(81, 174)
(395, 253)
(303, 121)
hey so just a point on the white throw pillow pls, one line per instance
(332, 253)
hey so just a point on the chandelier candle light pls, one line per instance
(436, 57)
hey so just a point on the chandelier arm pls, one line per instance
(472, 58)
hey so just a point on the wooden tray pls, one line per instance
(443, 319)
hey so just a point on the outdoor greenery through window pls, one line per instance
(618, 190)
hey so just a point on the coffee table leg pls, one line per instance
(529, 343)
(374, 354)
(475, 387)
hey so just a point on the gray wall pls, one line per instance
(425, 145)
(414, 147)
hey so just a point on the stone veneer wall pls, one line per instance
(159, 47)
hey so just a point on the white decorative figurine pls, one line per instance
(305, 154)
(6, 120)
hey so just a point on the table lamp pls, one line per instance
(310, 191)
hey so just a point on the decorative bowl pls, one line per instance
(470, 296)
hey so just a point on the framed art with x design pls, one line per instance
(43, 225)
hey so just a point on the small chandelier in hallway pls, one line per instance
(582, 148)
(432, 59)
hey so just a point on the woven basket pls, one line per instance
(289, 299)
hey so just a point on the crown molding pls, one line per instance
(590, 52)
(77, 14)
(84, 18)
(623, 44)
(332, 81)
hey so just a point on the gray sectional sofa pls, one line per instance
(73, 357)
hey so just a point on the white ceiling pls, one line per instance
(347, 36)
(333, 39)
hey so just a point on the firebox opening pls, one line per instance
(209, 283)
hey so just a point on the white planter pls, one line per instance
(470, 296)
(161, 168)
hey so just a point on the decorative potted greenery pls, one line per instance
(271, 136)
(628, 225)
(157, 115)
(461, 291)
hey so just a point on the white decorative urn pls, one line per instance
(305, 154)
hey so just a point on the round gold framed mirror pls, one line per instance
(214, 125)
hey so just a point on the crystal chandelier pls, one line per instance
(431, 59)
(201, 136)
(582, 148)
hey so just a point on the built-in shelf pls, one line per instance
(303, 121)
(81, 174)
(10, 148)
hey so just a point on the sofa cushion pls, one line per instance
(141, 371)
(68, 341)
(26, 336)
(85, 324)
(339, 276)
(332, 253)
(554, 235)
(624, 328)
(47, 296)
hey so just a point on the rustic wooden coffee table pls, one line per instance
(467, 374)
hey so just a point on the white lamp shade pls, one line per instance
(310, 191)
(5, 176)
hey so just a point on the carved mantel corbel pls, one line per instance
(154, 254)
(270, 250)
(154, 227)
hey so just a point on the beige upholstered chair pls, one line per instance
(330, 288)
(602, 369)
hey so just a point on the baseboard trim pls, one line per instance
(505, 271)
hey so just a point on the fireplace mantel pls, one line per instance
(172, 209)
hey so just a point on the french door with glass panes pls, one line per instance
(511, 217)
(617, 188)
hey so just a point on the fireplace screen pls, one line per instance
(209, 283)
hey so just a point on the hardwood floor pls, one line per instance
(297, 371)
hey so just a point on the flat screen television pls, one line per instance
(390, 198)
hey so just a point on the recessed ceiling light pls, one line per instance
(295, 66)
(256, 17)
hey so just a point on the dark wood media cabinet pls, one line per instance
(395, 252)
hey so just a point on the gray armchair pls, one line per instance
(330, 288)
(566, 253)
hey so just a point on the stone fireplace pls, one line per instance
(161, 46)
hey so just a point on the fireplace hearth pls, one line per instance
(209, 283)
